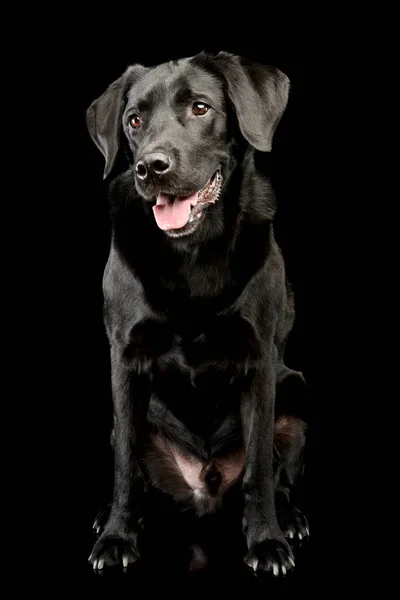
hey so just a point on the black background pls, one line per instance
(72, 251)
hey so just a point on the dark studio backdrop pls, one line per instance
(81, 372)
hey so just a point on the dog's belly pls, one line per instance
(194, 483)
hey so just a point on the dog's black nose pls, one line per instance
(156, 163)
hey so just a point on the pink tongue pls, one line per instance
(173, 215)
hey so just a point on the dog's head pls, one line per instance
(174, 119)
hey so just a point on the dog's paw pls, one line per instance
(101, 520)
(114, 549)
(271, 556)
(294, 524)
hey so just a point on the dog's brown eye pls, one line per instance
(200, 109)
(134, 121)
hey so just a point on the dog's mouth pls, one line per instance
(174, 212)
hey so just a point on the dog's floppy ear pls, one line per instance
(259, 95)
(103, 117)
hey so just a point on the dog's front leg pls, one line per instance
(118, 542)
(267, 547)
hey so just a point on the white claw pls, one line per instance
(101, 563)
(90, 557)
(125, 561)
(255, 564)
(98, 529)
(300, 536)
(291, 534)
(307, 531)
(95, 564)
(276, 570)
(283, 570)
(291, 560)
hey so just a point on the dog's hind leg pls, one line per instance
(289, 443)
(101, 520)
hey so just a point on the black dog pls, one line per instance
(207, 417)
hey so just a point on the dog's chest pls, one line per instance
(220, 348)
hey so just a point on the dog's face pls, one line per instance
(175, 120)
(176, 125)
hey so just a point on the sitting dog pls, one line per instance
(207, 417)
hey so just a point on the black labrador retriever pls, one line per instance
(207, 417)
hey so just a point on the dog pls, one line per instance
(208, 423)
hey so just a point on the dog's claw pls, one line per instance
(307, 531)
(270, 556)
(113, 549)
(128, 559)
(293, 523)
(253, 564)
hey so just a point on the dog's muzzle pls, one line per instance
(175, 212)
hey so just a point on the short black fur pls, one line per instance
(198, 318)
